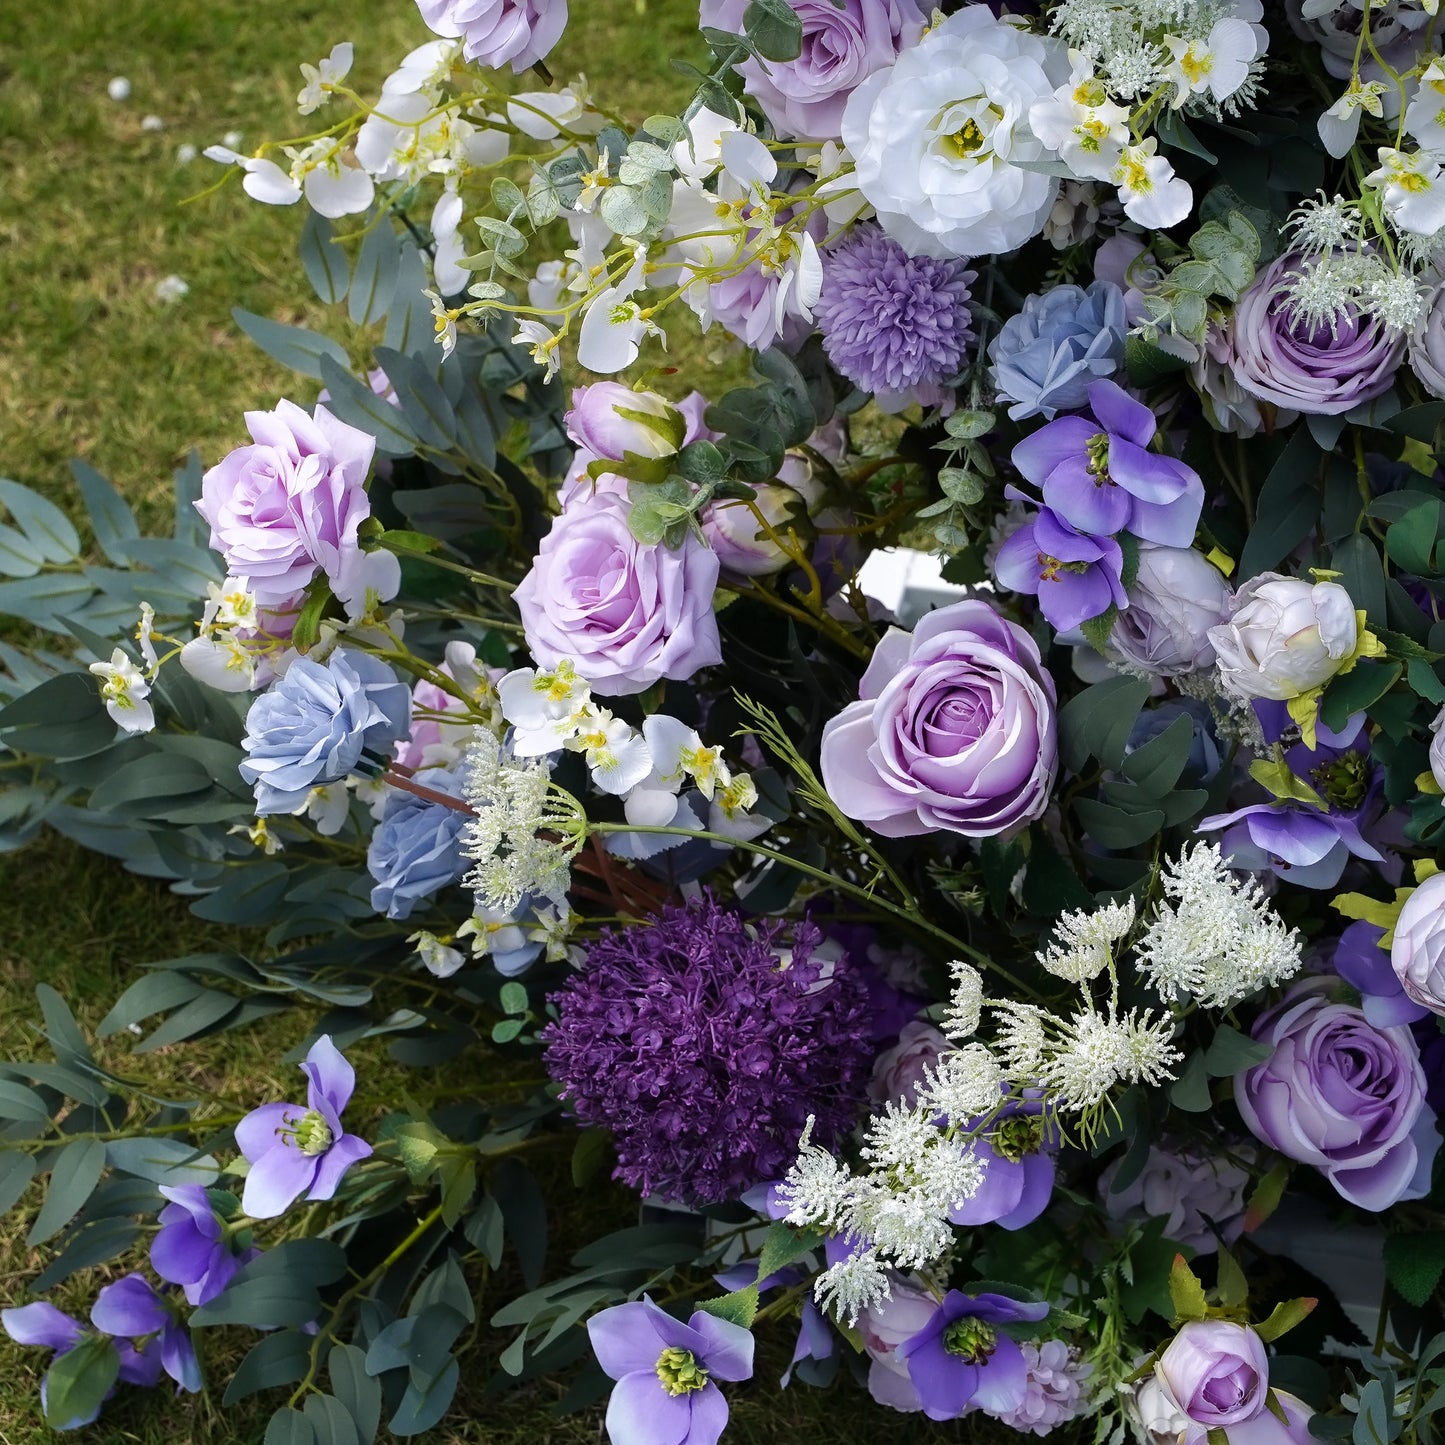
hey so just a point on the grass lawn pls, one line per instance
(94, 364)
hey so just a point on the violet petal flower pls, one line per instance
(1097, 473)
(43, 1324)
(131, 1309)
(191, 1248)
(665, 1370)
(958, 1359)
(1074, 576)
(295, 1151)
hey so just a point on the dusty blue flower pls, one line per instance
(312, 726)
(416, 849)
(1045, 357)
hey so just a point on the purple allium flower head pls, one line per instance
(665, 1372)
(130, 1308)
(1045, 357)
(295, 1151)
(961, 1359)
(1074, 575)
(192, 1248)
(894, 324)
(1097, 473)
(703, 1041)
(416, 849)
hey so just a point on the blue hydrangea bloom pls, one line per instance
(312, 725)
(417, 847)
(1045, 358)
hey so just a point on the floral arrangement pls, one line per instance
(1034, 1001)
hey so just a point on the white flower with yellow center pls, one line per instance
(1151, 194)
(1411, 191)
(323, 78)
(1217, 65)
(1081, 124)
(124, 689)
(616, 754)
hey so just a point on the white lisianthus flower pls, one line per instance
(1151, 194)
(1285, 637)
(1412, 190)
(937, 137)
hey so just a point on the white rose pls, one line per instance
(1285, 637)
(1417, 953)
(936, 137)
(1176, 598)
(1156, 1416)
(1437, 749)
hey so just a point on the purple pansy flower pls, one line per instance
(192, 1247)
(960, 1359)
(1363, 964)
(1298, 841)
(131, 1309)
(665, 1372)
(1074, 576)
(1018, 1180)
(295, 1150)
(1097, 473)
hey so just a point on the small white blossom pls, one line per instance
(1151, 194)
(1095, 1052)
(966, 1003)
(322, 78)
(542, 343)
(1412, 190)
(437, 957)
(1218, 938)
(1083, 943)
(124, 689)
(446, 323)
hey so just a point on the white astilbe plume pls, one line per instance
(1216, 939)
(1083, 943)
(1021, 1042)
(1092, 1053)
(524, 834)
(961, 1020)
(963, 1084)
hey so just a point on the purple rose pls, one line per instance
(898, 1072)
(496, 32)
(844, 42)
(1176, 597)
(884, 1326)
(1315, 369)
(1342, 1095)
(625, 613)
(1218, 1373)
(1417, 954)
(290, 503)
(954, 729)
(611, 420)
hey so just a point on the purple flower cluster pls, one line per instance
(894, 324)
(703, 1041)
(1098, 479)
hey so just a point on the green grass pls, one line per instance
(94, 213)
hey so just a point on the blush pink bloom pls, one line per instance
(954, 729)
(289, 505)
(625, 613)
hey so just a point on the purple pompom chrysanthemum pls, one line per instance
(703, 1041)
(894, 324)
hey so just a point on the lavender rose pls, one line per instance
(625, 613)
(884, 1326)
(1417, 954)
(1308, 368)
(844, 42)
(898, 1072)
(498, 32)
(1177, 596)
(611, 420)
(1217, 1371)
(290, 504)
(1427, 344)
(1341, 1095)
(954, 729)
(742, 546)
